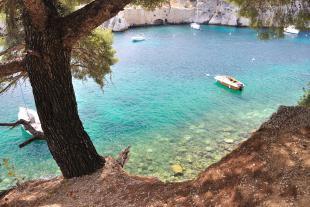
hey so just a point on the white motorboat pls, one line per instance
(138, 38)
(195, 26)
(229, 82)
(30, 116)
(291, 30)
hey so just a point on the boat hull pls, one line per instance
(229, 82)
(231, 86)
(195, 26)
(135, 40)
(291, 30)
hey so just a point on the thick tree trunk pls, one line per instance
(48, 66)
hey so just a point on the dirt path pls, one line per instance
(272, 168)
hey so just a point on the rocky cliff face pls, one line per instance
(178, 12)
(218, 12)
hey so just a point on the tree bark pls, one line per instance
(48, 67)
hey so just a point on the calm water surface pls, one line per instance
(161, 101)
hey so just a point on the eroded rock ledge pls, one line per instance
(269, 169)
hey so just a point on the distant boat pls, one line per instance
(30, 116)
(229, 82)
(291, 30)
(138, 38)
(195, 26)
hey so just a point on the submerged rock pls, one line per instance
(177, 169)
(228, 129)
(187, 137)
(209, 149)
(229, 141)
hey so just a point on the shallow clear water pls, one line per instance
(161, 102)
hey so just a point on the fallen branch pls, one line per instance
(37, 135)
(123, 157)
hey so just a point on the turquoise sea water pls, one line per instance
(161, 102)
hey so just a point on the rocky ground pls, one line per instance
(272, 168)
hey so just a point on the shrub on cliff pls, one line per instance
(305, 99)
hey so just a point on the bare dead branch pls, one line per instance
(12, 81)
(123, 157)
(12, 67)
(81, 22)
(32, 139)
(37, 135)
(27, 126)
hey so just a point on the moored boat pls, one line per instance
(195, 26)
(229, 82)
(138, 38)
(30, 116)
(291, 30)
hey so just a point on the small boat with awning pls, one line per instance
(229, 82)
(30, 116)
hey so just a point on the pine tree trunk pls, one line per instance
(48, 66)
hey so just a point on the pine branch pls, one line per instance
(12, 67)
(81, 22)
(12, 81)
(27, 126)
(30, 140)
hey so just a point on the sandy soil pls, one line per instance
(272, 168)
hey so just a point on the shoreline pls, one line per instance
(268, 168)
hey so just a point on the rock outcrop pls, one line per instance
(179, 12)
(218, 12)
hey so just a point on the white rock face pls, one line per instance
(181, 11)
(217, 12)
(118, 23)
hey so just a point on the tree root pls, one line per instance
(123, 157)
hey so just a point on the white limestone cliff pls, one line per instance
(179, 12)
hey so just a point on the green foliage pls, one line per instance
(2, 41)
(272, 33)
(150, 4)
(93, 56)
(12, 11)
(283, 15)
(305, 99)
(2, 17)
